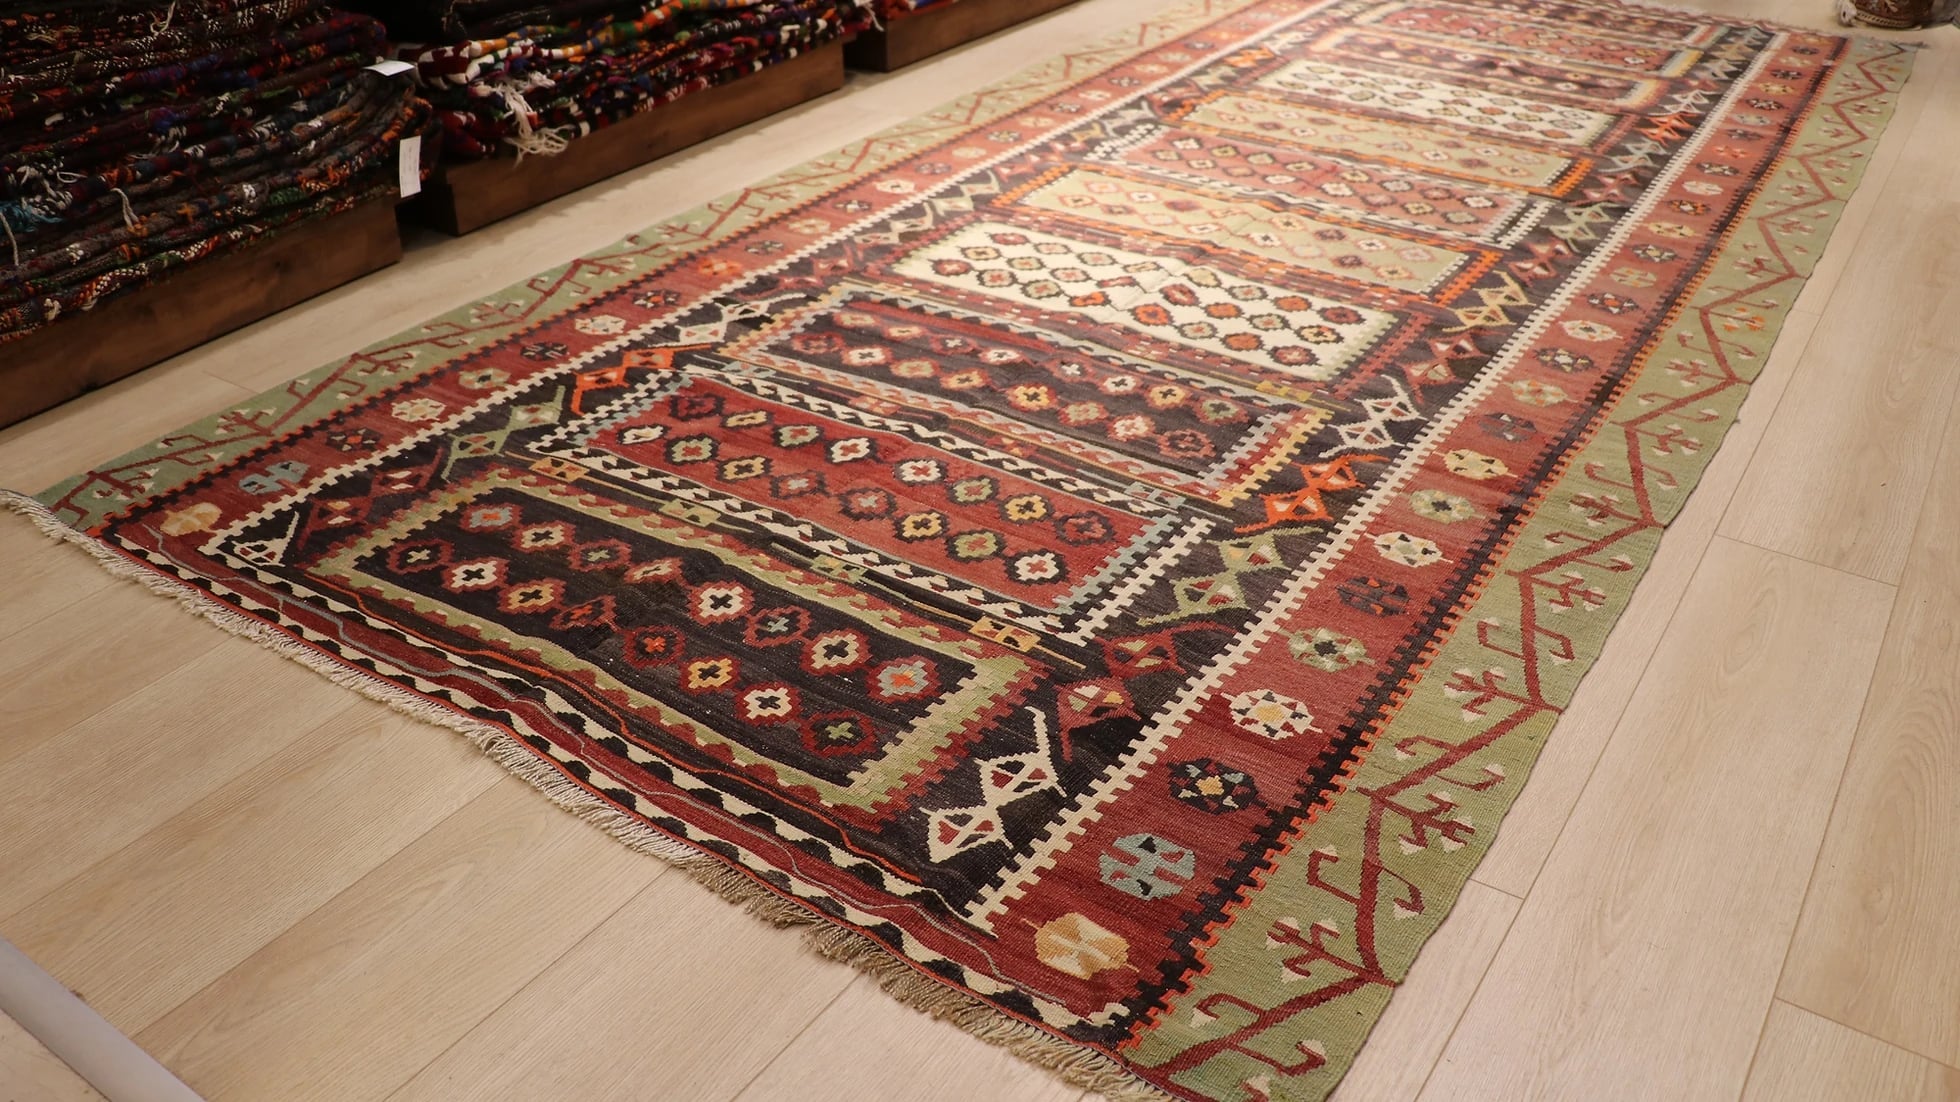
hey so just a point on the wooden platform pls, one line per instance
(466, 197)
(202, 302)
(935, 30)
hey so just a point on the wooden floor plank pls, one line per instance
(147, 928)
(79, 1037)
(30, 1073)
(1805, 1058)
(1645, 959)
(105, 782)
(1839, 477)
(43, 575)
(365, 991)
(124, 628)
(732, 992)
(917, 1057)
(1877, 947)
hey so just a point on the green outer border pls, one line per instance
(1441, 870)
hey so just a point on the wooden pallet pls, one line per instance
(935, 30)
(199, 303)
(469, 196)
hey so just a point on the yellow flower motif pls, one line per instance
(417, 411)
(1534, 393)
(1475, 465)
(1025, 508)
(709, 674)
(201, 517)
(921, 526)
(1581, 329)
(601, 325)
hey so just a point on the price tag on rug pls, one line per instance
(391, 67)
(411, 166)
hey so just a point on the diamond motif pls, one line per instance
(775, 627)
(839, 735)
(837, 652)
(720, 602)
(851, 450)
(651, 647)
(1326, 650)
(951, 833)
(477, 574)
(903, 679)
(1212, 786)
(768, 704)
(1265, 712)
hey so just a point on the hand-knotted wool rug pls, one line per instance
(1106, 552)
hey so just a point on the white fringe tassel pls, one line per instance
(548, 142)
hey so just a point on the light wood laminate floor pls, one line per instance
(1733, 874)
(30, 1073)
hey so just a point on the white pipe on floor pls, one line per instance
(112, 1063)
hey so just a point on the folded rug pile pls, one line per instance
(891, 8)
(528, 76)
(136, 138)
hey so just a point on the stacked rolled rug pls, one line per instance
(912, 30)
(139, 138)
(531, 76)
(1898, 15)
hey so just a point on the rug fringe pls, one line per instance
(1079, 1066)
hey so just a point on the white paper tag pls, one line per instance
(411, 166)
(392, 67)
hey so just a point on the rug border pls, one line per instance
(1444, 891)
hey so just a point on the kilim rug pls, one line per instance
(1105, 553)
